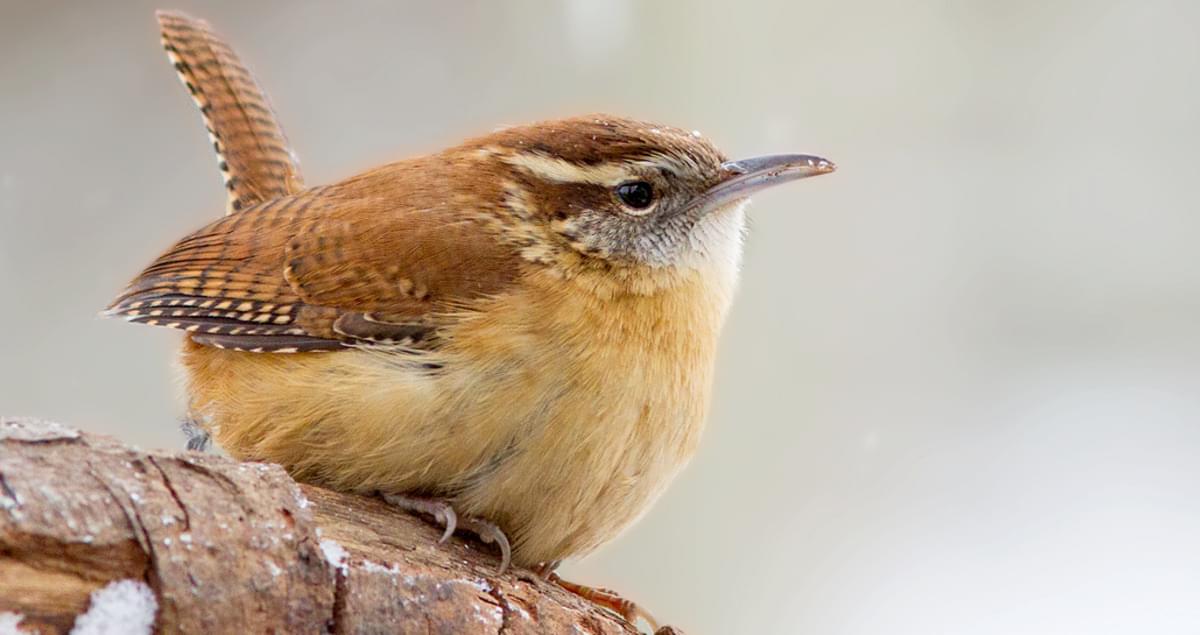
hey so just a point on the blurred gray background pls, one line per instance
(958, 391)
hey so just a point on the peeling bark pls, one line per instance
(233, 547)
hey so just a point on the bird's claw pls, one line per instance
(489, 532)
(443, 512)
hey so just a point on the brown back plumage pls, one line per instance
(376, 260)
(252, 151)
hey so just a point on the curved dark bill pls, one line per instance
(748, 176)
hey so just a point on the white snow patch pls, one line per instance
(301, 500)
(481, 585)
(494, 615)
(30, 429)
(375, 567)
(10, 623)
(334, 554)
(124, 607)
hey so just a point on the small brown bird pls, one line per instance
(515, 334)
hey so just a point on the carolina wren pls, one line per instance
(522, 326)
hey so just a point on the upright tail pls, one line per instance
(252, 152)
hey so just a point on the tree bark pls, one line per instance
(230, 547)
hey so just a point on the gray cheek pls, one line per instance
(665, 241)
(594, 234)
(658, 240)
(616, 236)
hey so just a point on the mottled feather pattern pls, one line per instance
(256, 162)
(331, 267)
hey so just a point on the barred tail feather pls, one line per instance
(253, 154)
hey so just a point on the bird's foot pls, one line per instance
(538, 573)
(489, 532)
(440, 509)
(605, 598)
(198, 438)
(443, 512)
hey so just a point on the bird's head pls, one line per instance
(627, 193)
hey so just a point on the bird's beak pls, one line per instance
(742, 178)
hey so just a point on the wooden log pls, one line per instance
(94, 530)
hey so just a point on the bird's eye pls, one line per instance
(636, 194)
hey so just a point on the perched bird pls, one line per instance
(515, 335)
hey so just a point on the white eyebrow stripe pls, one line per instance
(563, 171)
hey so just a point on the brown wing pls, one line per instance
(320, 271)
(252, 151)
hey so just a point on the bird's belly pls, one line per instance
(561, 434)
(562, 459)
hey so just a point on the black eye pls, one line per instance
(636, 194)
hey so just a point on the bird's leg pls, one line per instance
(545, 569)
(198, 438)
(603, 598)
(443, 512)
(538, 572)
